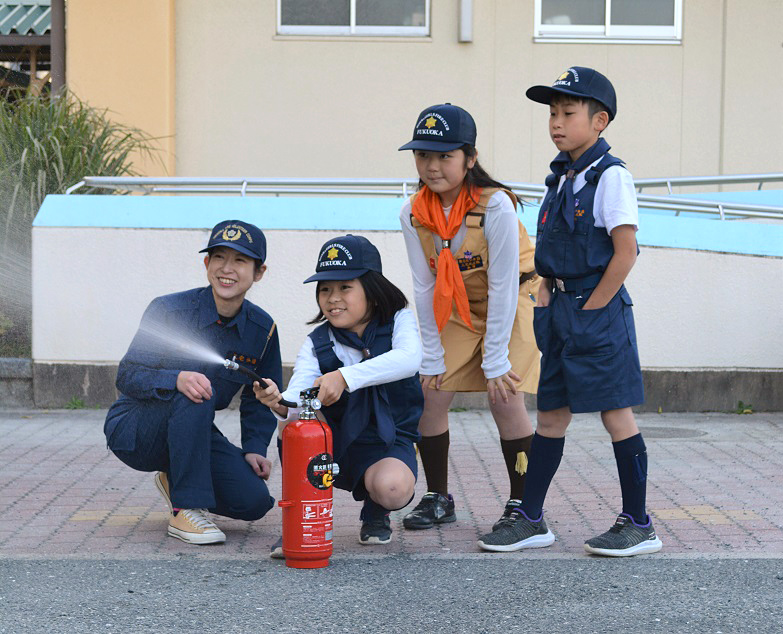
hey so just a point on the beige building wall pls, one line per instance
(120, 56)
(252, 103)
(242, 100)
(753, 86)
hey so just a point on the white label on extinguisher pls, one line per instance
(314, 535)
(317, 510)
(317, 522)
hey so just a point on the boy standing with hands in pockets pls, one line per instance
(584, 327)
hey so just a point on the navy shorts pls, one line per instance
(589, 358)
(360, 456)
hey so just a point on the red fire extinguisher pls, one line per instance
(308, 472)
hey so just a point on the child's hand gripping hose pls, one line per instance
(233, 365)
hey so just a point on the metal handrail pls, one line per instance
(234, 185)
(243, 186)
(720, 207)
(404, 187)
(728, 179)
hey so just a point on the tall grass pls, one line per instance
(46, 145)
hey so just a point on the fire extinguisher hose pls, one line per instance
(233, 365)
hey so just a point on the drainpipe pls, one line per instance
(465, 20)
(58, 46)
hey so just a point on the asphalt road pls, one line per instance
(400, 594)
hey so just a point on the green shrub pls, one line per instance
(46, 145)
(75, 403)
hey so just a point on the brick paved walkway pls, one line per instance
(716, 489)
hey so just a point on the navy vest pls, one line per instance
(405, 397)
(586, 251)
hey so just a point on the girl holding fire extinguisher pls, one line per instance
(364, 357)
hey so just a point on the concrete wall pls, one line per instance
(693, 309)
(705, 314)
(707, 333)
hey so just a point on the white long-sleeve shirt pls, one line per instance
(400, 362)
(501, 228)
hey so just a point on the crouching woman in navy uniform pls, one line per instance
(170, 391)
(364, 357)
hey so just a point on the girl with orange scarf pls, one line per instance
(475, 287)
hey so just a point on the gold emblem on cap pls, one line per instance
(430, 123)
(231, 233)
(332, 253)
(563, 76)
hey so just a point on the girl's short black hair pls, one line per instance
(384, 299)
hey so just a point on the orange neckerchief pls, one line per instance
(449, 286)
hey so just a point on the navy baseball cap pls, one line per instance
(346, 258)
(442, 128)
(578, 81)
(240, 236)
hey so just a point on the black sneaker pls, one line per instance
(518, 531)
(432, 509)
(510, 506)
(376, 525)
(625, 538)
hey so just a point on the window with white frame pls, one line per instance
(354, 17)
(618, 20)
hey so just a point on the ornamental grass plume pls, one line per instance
(47, 144)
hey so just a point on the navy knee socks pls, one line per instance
(545, 455)
(631, 457)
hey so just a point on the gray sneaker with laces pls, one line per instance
(625, 538)
(516, 532)
(509, 508)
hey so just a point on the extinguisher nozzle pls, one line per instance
(233, 365)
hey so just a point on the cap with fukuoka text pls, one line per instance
(346, 258)
(442, 128)
(240, 236)
(578, 81)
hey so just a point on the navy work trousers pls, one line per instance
(179, 437)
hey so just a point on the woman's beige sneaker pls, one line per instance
(194, 527)
(190, 525)
(162, 483)
(276, 550)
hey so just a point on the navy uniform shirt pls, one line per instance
(183, 331)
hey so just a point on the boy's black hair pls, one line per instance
(593, 105)
(384, 299)
(477, 176)
(256, 262)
